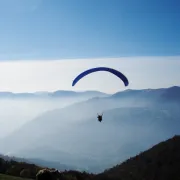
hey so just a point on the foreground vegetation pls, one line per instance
(161, 162)
(18, 169)
(7, 177)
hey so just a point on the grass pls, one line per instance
(7, 177)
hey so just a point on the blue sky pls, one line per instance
(65, 29)
(88, 33)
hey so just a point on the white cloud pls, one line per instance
(142, 72)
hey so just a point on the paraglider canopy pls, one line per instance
(113, 71)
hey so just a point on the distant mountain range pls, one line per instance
(133, 121)
(55, 94)
(171, 92)
(162, 94)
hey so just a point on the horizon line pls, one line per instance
(81, 91)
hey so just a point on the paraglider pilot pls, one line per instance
(99, 117)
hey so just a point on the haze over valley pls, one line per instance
(17, 109)
(134, 120)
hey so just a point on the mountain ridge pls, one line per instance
(162, 161)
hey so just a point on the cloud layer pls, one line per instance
(142, 72)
